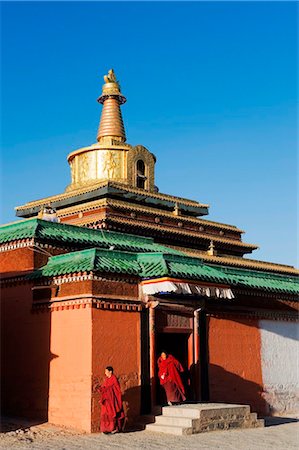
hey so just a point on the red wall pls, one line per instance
(70, 368)
(25, 354)
(49, 357)
(235, 370)
(18, 260)
(116, 343)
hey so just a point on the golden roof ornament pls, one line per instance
(111, 88)
(110, 78)
(211, 251)
(48, 213)
(176, 210)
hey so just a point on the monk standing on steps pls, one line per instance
(170, 378)
(112, 414)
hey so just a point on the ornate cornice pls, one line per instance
(179, 231)
(90, 276)
(238, 261)
(88, 206)
(254, 292)
(63, 196)
(127, 206)
(253, 315)
(96, 302)
(13, 245)
(159, 212)
(114, 184)
(15, 280)
(33, 243)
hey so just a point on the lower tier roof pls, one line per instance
(113, 252)
(158, 265)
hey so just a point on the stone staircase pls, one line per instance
(192, 418)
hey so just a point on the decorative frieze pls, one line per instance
(270, 315)
(88, 302)
(25, 243)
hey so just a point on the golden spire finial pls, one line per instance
(176, 210)
(111, 123)
(110, 78)
(211, 251)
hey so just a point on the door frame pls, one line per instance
(197, 348)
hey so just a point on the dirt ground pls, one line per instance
(279, 434)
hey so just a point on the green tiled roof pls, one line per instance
(74, 236)
(263, 280)
(156, 265)
(90, 260)
(143, 265)
(113, 252)
(178, 266)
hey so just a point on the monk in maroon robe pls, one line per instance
(170, 379)
(112, 414)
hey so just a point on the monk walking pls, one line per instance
(112, 414)
(170, 378)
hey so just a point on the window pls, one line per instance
(140, 171)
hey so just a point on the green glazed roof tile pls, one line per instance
(262, 280)
(152, 265)
(96, 260)
(72, 235)
(157, 265)
(121, 253)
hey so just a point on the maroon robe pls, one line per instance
(112, 414)
(170, 379)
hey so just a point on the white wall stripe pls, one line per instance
(280, 365)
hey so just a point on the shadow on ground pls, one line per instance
(8, 424)
(274, 421)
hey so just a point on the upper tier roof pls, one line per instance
(115, 190)
(71, 235)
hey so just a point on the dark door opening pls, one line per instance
(175, 344)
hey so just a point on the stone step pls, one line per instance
(202, 417)
(255, 421)
(227, 425)
(260, 422)
(199, 427)
(210, 411)
(169, 429)
(176, 421)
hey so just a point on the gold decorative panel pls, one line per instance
(98, 165)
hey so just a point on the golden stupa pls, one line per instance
(112, 186)
(111, 158)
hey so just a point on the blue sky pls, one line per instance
(211, 90)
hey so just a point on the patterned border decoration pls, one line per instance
(272, 315)
(174, 230)
(87, 303)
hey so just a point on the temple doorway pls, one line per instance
(176, 344)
